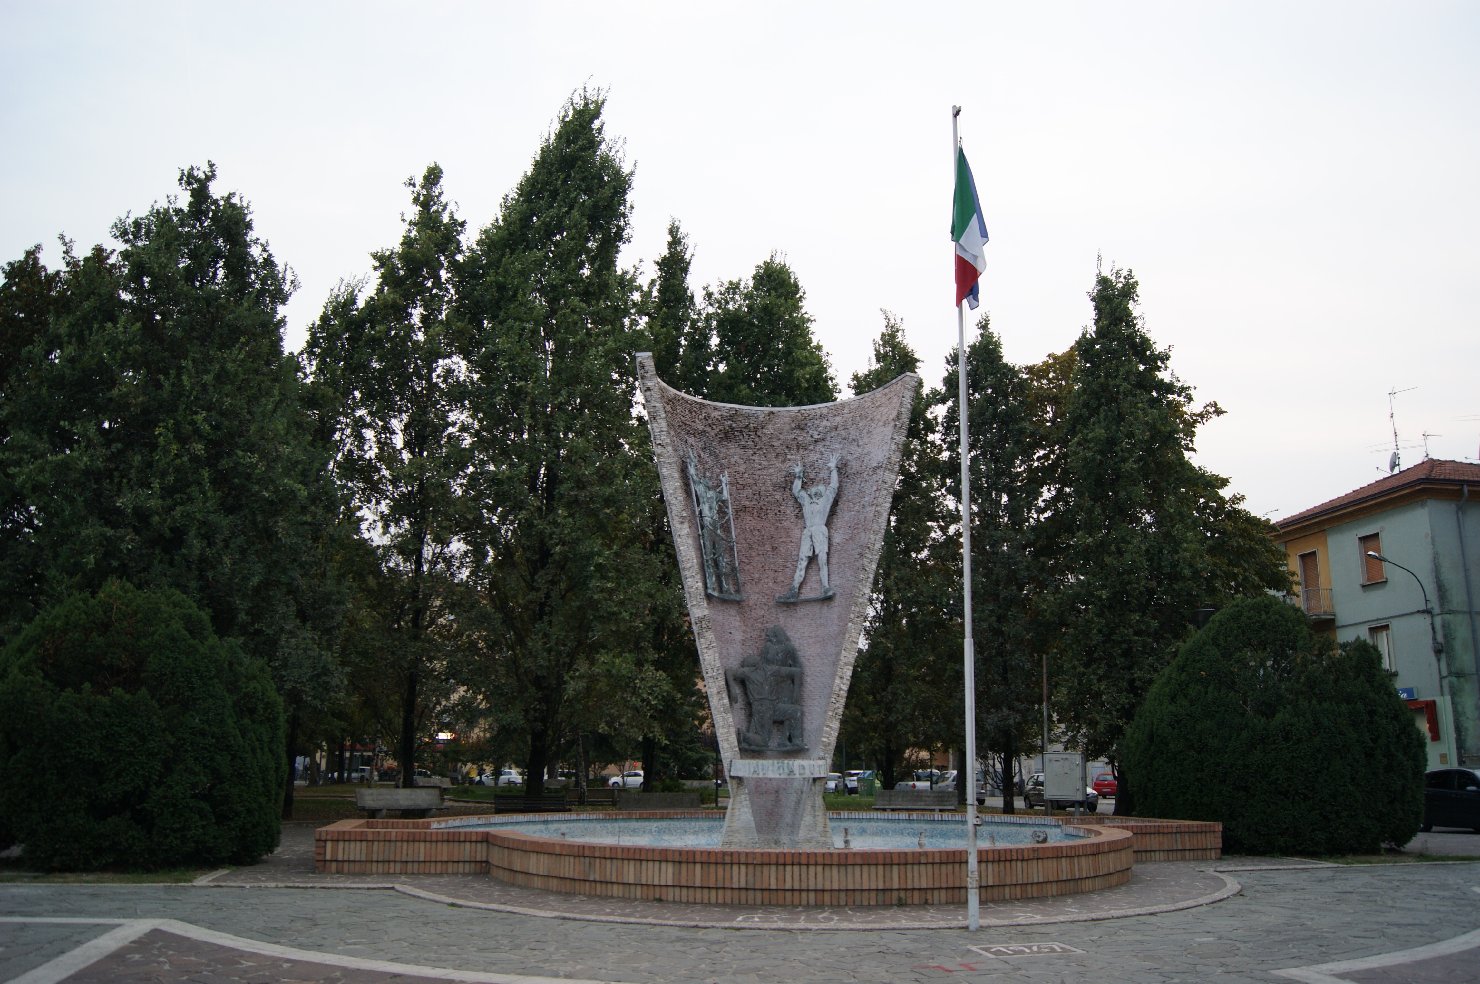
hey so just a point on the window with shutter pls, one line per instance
(1380, 637)
(1372, 568)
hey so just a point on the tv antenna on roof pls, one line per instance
(1394, 462)
(1426, 436)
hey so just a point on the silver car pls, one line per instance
(1033, 796)
(627, 780)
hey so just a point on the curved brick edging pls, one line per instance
(1164, 840)
(385, 847)
(844, 877)
(809, 878)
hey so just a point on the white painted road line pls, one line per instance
(1331, 973)
(58, 970)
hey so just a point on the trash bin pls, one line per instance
(866, 785)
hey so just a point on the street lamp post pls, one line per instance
(1427, 610)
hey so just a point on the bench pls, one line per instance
(550, 801)
(412, 803)
(688, 799)
(600, 796)
(915, 799)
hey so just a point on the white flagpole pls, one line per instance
(973, 868)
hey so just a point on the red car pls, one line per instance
(1104, 784)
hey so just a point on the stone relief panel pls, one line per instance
(817, 503)
(767, 687)
(716, 518)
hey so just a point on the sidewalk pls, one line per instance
(1246, 920)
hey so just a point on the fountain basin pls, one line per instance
(1085, 859)
(862, 830)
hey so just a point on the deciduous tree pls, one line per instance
(1010, 563)
(763, 352)
(396, 391)
(562, 476)
(1137, 523)
(154, 431)
(901, 697)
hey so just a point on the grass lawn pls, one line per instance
(14, 872)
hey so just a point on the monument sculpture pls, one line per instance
(771, 684)
(716, 533)
(773, 485)
(816, 503)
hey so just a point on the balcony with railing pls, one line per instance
(1316, 603)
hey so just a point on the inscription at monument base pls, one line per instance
(778, 768)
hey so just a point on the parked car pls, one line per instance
(1105, 784)
(1451, 798)
(627, 780)
(922, 779)
(834, 783)
(500, 777)
(949, 778)
(1033, 796)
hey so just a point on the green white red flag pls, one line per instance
(969, 230)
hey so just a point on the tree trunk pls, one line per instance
(1009, 768)
(885, 777)
(649, 763)
(539, 761)
(582, 767)
(1125, 803)
(292, 749)
(408, 729)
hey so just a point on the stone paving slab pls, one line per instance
(1286, 924)
(166, 950)
(1290, 920)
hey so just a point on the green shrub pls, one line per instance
(144, 741)
(1295, 745)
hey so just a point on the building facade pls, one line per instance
(1397, 563)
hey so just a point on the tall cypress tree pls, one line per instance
(1010, 569)
(897, 699)
(671, 318)
(560, 474)
(1135, 519)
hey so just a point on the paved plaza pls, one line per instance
(1236, 920)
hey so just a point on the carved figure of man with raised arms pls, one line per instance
(816, 503)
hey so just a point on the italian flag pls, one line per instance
(969, 230)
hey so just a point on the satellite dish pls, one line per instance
(1393, 462)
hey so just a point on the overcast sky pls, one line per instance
(1296, 185)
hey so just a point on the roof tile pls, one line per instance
(1430, 470)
